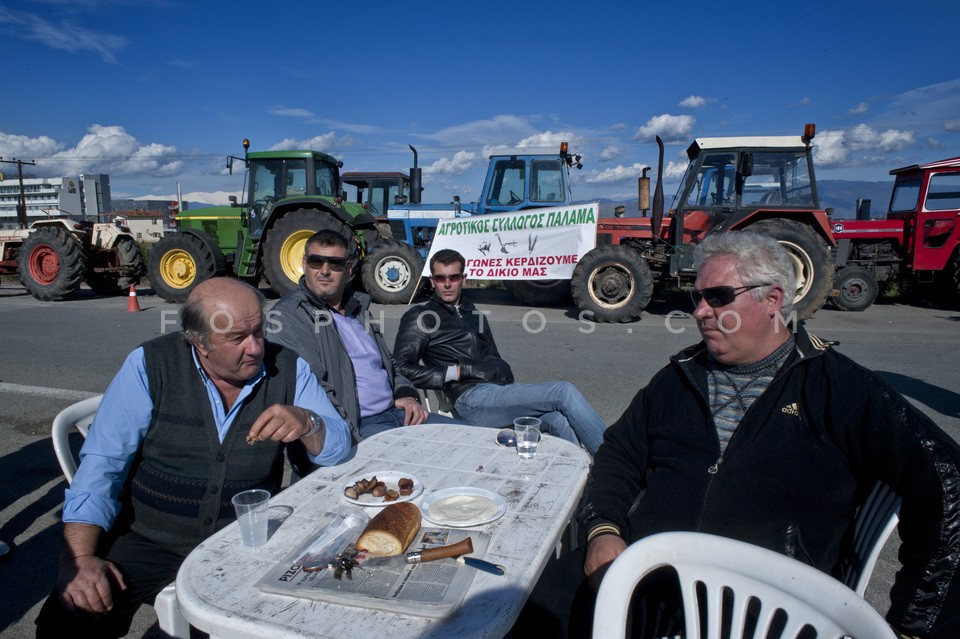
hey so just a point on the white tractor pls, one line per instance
(53, 257)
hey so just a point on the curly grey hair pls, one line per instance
(761, 259)
(195, 326)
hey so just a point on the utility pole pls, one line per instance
(22, 206)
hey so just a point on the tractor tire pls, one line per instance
(540, 292)
(612, 283)
(284, 245)
(811, 257)
(391, 272)
(52, 263)
(178, 262)
(125, 253)
(857, 288)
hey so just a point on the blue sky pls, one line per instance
(156, 92)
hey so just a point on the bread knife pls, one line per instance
(428, 554)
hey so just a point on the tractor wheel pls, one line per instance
(613, 283)
(391, 272)
(125, 253)
(52, 263)
(284, 245)
(540, 292)
(178, 262)
(811, 258)
(857, 288)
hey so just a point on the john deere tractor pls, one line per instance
(290, 196)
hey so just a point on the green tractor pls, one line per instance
(290, 196)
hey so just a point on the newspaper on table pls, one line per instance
(431, 589)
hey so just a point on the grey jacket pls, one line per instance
(302, 321)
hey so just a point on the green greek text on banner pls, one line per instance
(532, 244)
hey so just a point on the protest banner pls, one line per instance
(533, 244)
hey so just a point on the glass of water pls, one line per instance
(528, 436)
(253, 514)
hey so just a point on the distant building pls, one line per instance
(147, 219)
(82, 197)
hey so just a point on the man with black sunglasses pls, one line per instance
(331, 328)
(766, 434)
(446, 344)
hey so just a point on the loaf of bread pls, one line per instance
(391, 530)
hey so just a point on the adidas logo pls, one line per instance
(791, 409)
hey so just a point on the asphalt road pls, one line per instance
(54, 354)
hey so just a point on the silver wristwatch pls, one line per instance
(317, 424)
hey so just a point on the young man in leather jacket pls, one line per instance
(446, 344)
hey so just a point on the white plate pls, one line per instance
(388, 477)
(473, 512)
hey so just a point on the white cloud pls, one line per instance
(65, 35)
(26, 148)
(289, 112)
(615, 174)
(619, 126)
(951, 125)
(830, 148)
(863, 137)
(104, 149)
(674, 169)
(668, 127)
(859, 145)
(328, 143)
(461, 162)
(610, 153)
(480, 132)
(861, 108)
(549, 139)
(933, 143)
(803, 102)
(693, 102)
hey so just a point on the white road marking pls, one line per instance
(54, 393)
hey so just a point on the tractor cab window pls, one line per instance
(546, 181)
(778, 179)
(296, 178)
(713, 183)
(943, 194)
(382, 195)
(906, 196)
(506, 185)
(326, 180)
(266, 186)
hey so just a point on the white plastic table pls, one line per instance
(215, 585)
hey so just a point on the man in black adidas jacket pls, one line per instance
(766, 434)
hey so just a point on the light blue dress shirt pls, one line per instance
(124, 416)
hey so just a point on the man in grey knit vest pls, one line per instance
(191, 419)
(766, 434)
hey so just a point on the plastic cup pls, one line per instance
(252, 516)
(528, 436)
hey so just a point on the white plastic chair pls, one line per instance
(772, 586)
(876, 519)
(79, 416)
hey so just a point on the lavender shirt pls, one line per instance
(373, 387)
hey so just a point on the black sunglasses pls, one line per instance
(336, 263)
(453, 279)
(717, 296)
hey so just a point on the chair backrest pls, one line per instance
(725, 582)
(876, 519)
(76, 416)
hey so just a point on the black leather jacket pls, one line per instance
(440, 335)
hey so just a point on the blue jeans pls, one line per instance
(559, 405)
(393, 418)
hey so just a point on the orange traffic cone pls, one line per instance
(133, 306)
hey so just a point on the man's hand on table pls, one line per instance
(601, 552)
(413, 412)
(85, 584)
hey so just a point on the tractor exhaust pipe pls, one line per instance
(656, 214)
(416, 179)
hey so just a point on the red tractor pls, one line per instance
(762, 184)
(918, 241)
